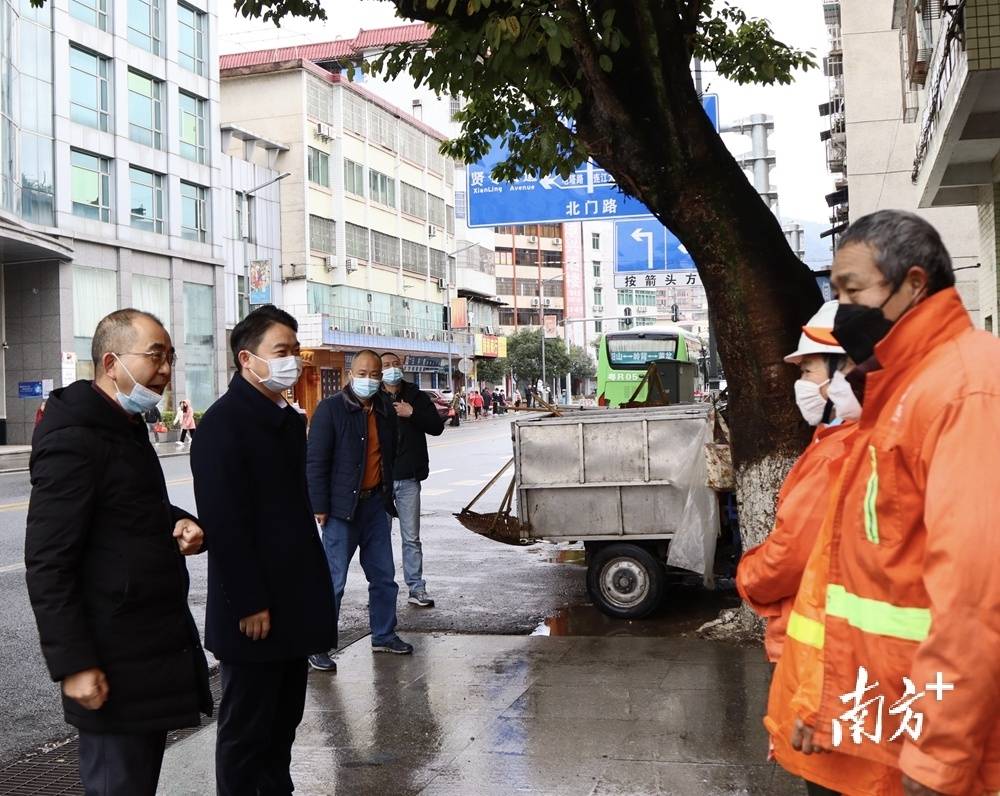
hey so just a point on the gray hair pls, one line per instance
(901, 240)
(116, 332)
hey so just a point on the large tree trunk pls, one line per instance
(647, 128)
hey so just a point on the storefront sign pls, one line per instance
(418, 364)
(486, 345)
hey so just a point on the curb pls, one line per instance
(13, 470)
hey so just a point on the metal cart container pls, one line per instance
(630, 484)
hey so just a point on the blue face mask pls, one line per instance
(392, 375)
(140, 400)
(364, 387)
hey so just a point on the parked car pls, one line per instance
(441, 401)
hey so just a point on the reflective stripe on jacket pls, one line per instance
(912, 588)
(768, 575)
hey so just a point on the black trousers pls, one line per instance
(121, 765)
(260, 709)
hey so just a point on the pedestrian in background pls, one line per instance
(416, 417)
(352, 454)
(270, 602)
(909, 575)
(104, 558)
(487, 398)
(477, 404)
(153, 418)
(39, 413)
(185, 419)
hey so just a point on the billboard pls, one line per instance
(260, 282)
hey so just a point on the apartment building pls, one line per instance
(367, 218)
(110, 189)
(891, 63)
(953, 50)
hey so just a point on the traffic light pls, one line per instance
(674, 315)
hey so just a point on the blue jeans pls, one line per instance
(369, 531)
(407, 495)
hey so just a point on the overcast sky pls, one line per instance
(800, 175)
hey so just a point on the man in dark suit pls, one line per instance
(106, 579)
(352, 450)
(270, 601)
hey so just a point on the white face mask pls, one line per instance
(392, 375)
(140, 399)
(811, 403)
(284, 372)
(843, 397)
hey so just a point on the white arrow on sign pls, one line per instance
(637, 236)
(548, 182)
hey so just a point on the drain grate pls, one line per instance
(56, 772)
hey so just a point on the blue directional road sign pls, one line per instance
(588, 194)
(640, 246)
(678, 258)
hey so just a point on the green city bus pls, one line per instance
(624, 356)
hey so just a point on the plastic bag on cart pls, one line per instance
(693, 545)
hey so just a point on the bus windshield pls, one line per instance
(638, 352)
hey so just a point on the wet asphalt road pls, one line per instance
(480, 586)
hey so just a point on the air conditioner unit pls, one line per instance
(440, 283)
(534, 302)
(328, 262)
(597, 281)
(380, 331)
(368, 329)
(557, 241)
(598, 309)
(351, 264)
(641, 310)
(532, 239)
(324, 130)
(409, 334)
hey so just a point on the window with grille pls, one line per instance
(319, 100)
(597, 267)
(435, 210)
(354, 178)
(385, 249)
(454, 106)
(505, 286)
(449, 220)
(414, 257)
(382, 188)
(595, 240)
(439, 264)
(357, 240)
(412, 145)
(435, 160)
(413, 201)
(383, 127)
(322, 234)
(355, 111)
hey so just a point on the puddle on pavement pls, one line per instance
(685, 608)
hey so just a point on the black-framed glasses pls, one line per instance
(156, 357)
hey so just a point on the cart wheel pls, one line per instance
(625, 580)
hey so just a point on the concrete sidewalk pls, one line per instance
(526, 714)
(14, 458)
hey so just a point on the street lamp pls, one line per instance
(245, 224)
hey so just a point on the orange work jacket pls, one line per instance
(911, 587)
(768, 575)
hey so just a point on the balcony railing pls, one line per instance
(351, 320)
(942, 69)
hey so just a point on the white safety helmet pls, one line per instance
(820, 324)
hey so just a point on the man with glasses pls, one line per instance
(270, 602)
(105, 570)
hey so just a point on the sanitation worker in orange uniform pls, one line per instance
(899, 670)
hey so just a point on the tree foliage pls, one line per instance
(531, 70)
(524, 353)
(492, 371)
(581, 364)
